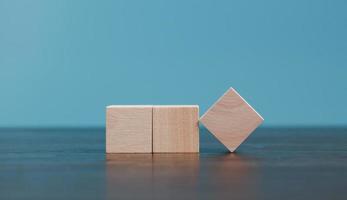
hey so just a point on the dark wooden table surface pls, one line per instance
(274, 163)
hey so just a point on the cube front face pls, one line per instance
(175, 129)
(231, 119)
(129, 129)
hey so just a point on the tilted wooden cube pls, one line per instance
(175, 129)
(231, 119)
(129, 129)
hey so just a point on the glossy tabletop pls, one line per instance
(274, 163)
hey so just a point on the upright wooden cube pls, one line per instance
(129, 129)
(175, 129)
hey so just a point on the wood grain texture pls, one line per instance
(231, 119)
(175, 129)
(129, 129)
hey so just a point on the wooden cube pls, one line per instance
(129, 129)
(175, 129)
(231, 119)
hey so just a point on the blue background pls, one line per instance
(63, 61)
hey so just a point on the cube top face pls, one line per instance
(175, 129)
(129, 106)
(129, 129)
(231, 119)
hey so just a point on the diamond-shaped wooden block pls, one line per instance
(231, 119)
